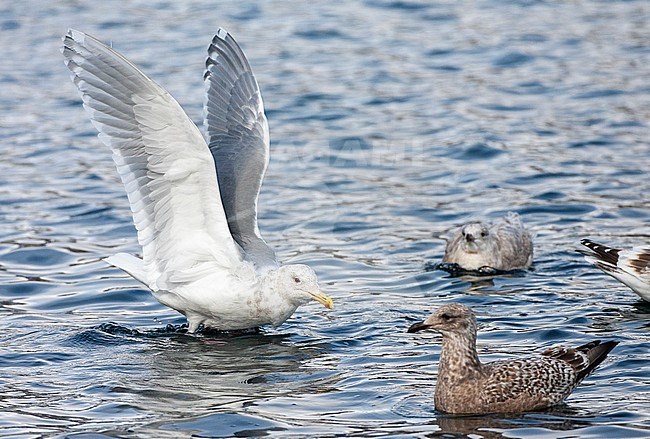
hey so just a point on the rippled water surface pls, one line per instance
(392, 122)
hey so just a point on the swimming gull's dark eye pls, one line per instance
(445, 316)
(296, 280)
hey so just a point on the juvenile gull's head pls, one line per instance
(475, 237)
(450, 319)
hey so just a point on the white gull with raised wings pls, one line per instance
(194, 202)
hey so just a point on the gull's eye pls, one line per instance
(296, 280)
(445, 317)
(483, 234)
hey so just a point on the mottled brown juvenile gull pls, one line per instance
(467, 386)
(632, 267)
(194, 202)
(503, 245)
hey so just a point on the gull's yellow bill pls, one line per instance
(323, 298)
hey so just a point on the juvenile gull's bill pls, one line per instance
(632, 267)
(503, 245)
(467, 386)
(194, 202)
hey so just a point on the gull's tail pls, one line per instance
(596, 351)
(583, 359)
(132, 265)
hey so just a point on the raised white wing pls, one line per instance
(238, 136)
(163, 160)
(632, 267)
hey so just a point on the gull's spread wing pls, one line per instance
(163, 160)
(238, 136)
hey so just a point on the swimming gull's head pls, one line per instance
(475, 237)
(299, 284)
(450, 319)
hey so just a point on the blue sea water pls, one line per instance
(392, 122)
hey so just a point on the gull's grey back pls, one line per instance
(513, 241)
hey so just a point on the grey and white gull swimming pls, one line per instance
(194, 202)
(467, 386)
(632, 267)
(503, 245)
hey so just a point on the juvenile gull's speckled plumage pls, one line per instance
(502, 245)
(632, 267)
(467, 386)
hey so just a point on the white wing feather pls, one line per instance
(631, 267)
(164, 162)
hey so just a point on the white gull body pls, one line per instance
(194, 202)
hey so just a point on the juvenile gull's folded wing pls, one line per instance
(163, 160)
(238, 136)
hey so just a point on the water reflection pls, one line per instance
(560, 419)
(202, 374)
(478, 281)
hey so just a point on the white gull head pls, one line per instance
(298, 285)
